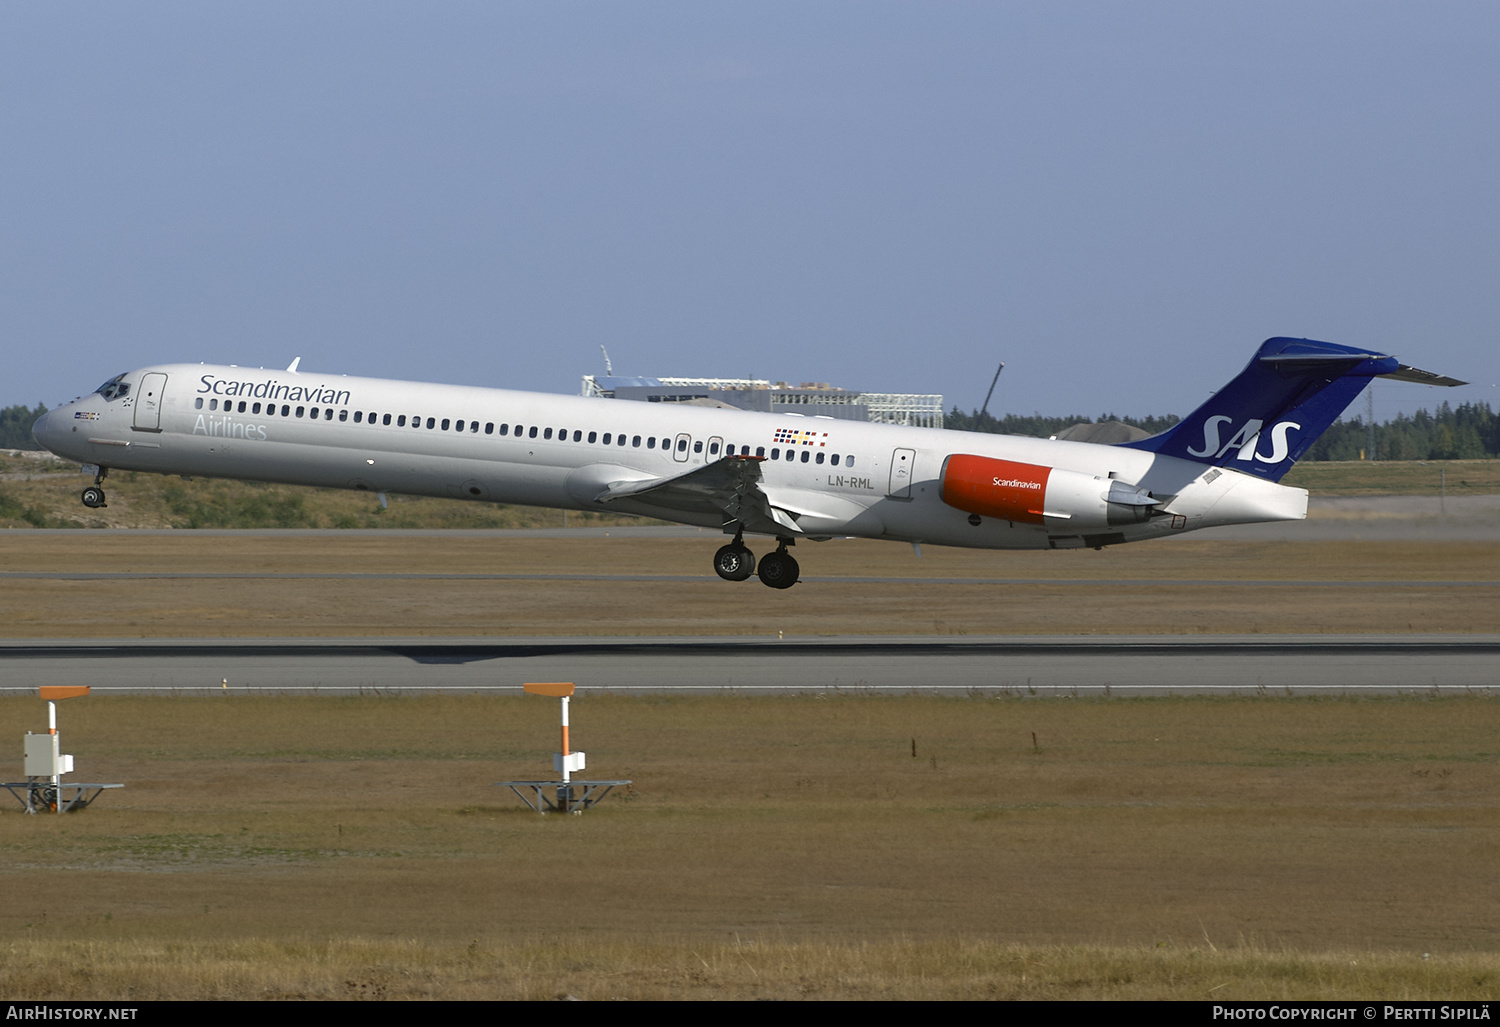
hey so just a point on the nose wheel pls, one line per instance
(93, 497)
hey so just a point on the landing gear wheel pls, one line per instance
(734, 563)
(93, 497)
(779, 570)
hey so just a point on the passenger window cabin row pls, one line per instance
(520, 431)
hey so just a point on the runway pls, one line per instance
(1042, 666)
(232, 576)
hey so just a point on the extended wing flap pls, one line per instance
(731, 484)
(731, 474)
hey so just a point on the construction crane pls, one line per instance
(985, 408)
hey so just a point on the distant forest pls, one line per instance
(1470, 431)
(15, 427)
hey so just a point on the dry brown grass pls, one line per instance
(355, 847)
(1144, 589)
(369, 969)
(1396, 478)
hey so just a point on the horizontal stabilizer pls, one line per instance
(1305, 360)
(1407, 373)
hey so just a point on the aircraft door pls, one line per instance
(902, 461)
(683, 448)
(148, 402)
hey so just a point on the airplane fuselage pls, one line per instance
(820, 476)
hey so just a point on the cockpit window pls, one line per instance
(114, 388)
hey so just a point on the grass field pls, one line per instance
(839, 847)
(1332, 478)
(666, 587)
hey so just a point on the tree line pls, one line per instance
(1470, 431)
(15, 426)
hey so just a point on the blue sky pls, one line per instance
(1119, 200)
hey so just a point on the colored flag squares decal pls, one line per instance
(792, 437)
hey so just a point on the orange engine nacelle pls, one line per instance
(996, 488)
(1051, 496)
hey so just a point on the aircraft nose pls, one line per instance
(50, 429)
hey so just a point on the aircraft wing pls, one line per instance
(731, 485)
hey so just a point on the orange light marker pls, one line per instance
(58, 764)
(566, 761)
(572, 797)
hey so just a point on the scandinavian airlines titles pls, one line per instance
(229, 428)
(274, 390)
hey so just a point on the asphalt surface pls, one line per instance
(846, 578)
(1114, 665)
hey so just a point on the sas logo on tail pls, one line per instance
(1245, 440)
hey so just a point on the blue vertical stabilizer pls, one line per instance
(1268, 416)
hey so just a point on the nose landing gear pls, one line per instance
(93, 496)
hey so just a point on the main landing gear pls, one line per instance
(734, 562)
(93, 496)
(779, 569)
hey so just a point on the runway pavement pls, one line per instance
(1044, 666)
(230, 576)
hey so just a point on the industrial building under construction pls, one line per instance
(809, 398)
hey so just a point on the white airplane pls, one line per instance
(786, 476)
